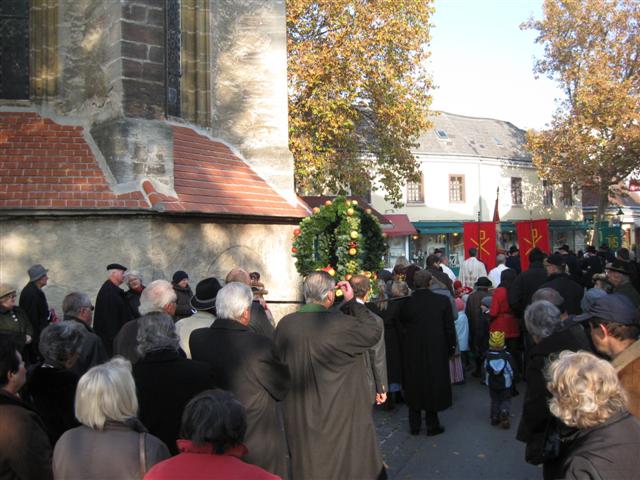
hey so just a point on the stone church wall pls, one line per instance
(76, 251)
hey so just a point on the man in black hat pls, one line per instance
(513, 260)
(34, 303)
(204, 303)
(618, 275)
(572, 263)
(561, 282)
(111, 311)
(623, 255)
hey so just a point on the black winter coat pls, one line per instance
(589, 267)
(628, 291)
(165, 382)
(524, 286)
(535, 410)
(34, 302)
(513, 262)
(111, 313)
(133, 300)
(607, 451)
(328, 418)
(429, 342)
(569, 289)
(246, 364)
(52, 392)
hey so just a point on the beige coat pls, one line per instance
(112, 453)
(627, 364)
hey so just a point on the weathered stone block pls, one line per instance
(153, 72)
(131, 68)
(156, 54)
(156, 17)
(136, 13)
(136, 149)
(143, 99)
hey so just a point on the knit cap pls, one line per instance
(496, 340)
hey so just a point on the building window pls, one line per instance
(567, 194)
(14, 50)
(456, 188)
(415, 191)
(442, 135)
(547, 193)
(516, 191)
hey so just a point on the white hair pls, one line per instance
(232, 300)
(317, 286)
(106, 392)
(156, 296)
(501, 258)
(134, 274)
(542, 318)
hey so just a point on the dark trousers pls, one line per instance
(513, 346)
(500, 402)
(415, 419)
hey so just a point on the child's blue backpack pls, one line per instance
(496, 366)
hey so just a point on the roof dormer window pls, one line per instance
(441, 134)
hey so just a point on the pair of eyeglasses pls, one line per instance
(91, 307)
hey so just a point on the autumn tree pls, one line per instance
(358, 92)
(592, 48)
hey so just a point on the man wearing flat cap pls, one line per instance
(619, 276)
(111, 311)
(614, 326)
(561, 282)
(34, 303)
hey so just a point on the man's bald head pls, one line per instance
(238, 275)
(361, 286)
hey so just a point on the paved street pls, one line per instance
(469, 449)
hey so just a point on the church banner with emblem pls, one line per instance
(532, 234)
(482, 237)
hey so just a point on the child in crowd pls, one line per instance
(499, 369)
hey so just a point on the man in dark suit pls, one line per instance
(429, 342)
(112, 311)
(246, 363)
(328, 410)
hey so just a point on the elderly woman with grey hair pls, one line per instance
(110, 442)
(550, 336)
(165, 379)
(51, 386)
(135, 282)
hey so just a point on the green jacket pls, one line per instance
(15, 323)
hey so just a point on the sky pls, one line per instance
(482, 63)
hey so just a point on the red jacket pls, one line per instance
(198, 462)
(502, 318)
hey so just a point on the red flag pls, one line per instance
(532, 234)
(482, 237)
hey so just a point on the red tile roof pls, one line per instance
(45, 165)
(209, 177)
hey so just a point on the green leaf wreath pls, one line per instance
(340, 238)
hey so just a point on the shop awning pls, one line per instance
(402, 226)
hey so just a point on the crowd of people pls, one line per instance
(160, 381)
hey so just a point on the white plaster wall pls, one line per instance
(77, 250)
(482, 177)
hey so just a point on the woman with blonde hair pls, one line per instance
(603, 439)
(111, 442)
